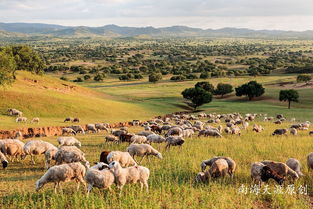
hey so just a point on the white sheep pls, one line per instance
(35, 120)
(154, 138)
(293, 131)
(138, 139)
(130, 175)
(50, 155)
(310, 161)
(68, 131)
(219, 168)
(111, 138)
(68, 141)
(12, 148)
(91, 127)
(69, 154)
(174, 141)
(142, 150)
(295, 165)
(63, 173)
(21, 119)
(36, 147)
(124, 158)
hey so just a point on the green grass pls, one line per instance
(172, 179)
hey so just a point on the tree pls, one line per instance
(205, 75)
(289, 95)
(197, 97)
(99, 77)
(223, 88)
(205, 85)
(155, 77)
(7, 66)
(304, 78)
(251, 90)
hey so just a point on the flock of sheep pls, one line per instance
(121, 167)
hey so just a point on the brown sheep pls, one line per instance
(103, 156)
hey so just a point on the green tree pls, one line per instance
(304, 78)
(205, 85)
(205, 75)
(289, 95)
(197, 97)
(223, 88)
(7, 66)
(99, 77)
(251, 90)
(155, 77)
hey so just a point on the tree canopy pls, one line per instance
(205, 85)
(289, 95)
(155, 77)
(197, 97)
(251, 90)
(223, 88)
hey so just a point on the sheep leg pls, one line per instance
(147, 186)
(142, 158)
(55, 187)
(78, 185)
(32, 159)
(141, 186)
(89, 188)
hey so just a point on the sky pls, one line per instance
(294, 15)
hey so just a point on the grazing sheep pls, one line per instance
(76, 120)
(174, 131)
(245, 125)
(281, 169)
(101, 127)
(124, 158)
(68, 131)
(14, 149)
(235, 131)
(293, 131)
(35, 120)
(154, 138)
(4, 161)
(36, 147)
(187, 133)
(138, 139)
(295, 165)
(142, 150)
(231, 164)
(99, 176)
(50, 155)
(77, 129)
(63, 173)
(130, 175)
(68, 119)
(111, 138)
(21, 119)
(68, 141)
(156, 129)
(310, 161)
(311, 132)
(261, 173)
(103, 156)
(118, 133)
(219, 168)
(14, 112)
(145, 133)
(91, 127)
(70, 154)
(280, 132)
(278, 122)
(257, 128)
(201, 177)
(212, 132)
(174, 141)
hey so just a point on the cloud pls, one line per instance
(155, 12)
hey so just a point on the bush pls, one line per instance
(87, 77)
(304, 78)
(138, 76)
(223, 88)
(191, 76)
(78, 79)
(205, 75)
(155, 77)
(64, 78)
(99, 77)
(178, 78)
(123, 78)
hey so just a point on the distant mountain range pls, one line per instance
(39, 29)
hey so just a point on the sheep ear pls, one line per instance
(95, 163)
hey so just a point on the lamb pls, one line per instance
(231, 164)
(77, 129)
(293, 131)
(99, 176)
(50, 155)
(281, 169)
(295, 165)
(111, 138)
(21, 119)
(36, 147)
(154, 138)
(68, 131)
(101, 126)
(174, 131)
(310, 161)
(142, 150)
(130, 175)
(280, 132)
(70, 154)
(91, 127)
(138, 139)
(124, 158)
(174, 141)
(68, 119)
(103, 156)
(68, 141)
(35, 120)
(4, 160)
(261, 173)
(219, 168)
(63, 173)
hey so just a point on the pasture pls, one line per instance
(172, 178)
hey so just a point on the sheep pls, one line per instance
(212, 132)
(69, 119)
(219, 168)
(70, 154)
(142, 150)
(281, 169)
(310, 161)
(77, 129)
(111, 138)
(35, 120)
(101, 126)
(245, 125)
(156, 129)
(91, 127)
(130, 175)
(174, 131)
(188, 133)
(36, 147)
(166, 127)
(4, 160)
(103, 156)
(257, 128)
(154, 138)
(174, 141)
(99, 176)
(76, 120)
(138, 139)
(261, 173)
(145, 133)
(295, 165)
(68, 141)
(231, 164)
(280, 132)
(311, 133)
(235, 131)
(124, 158)
(118, 132)
(201, 177)
(14, 148)
(50, 155)
(126, 137)
(14, 112)
(68, 131)
(293, 131)
(21, 119)
(63, 173)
